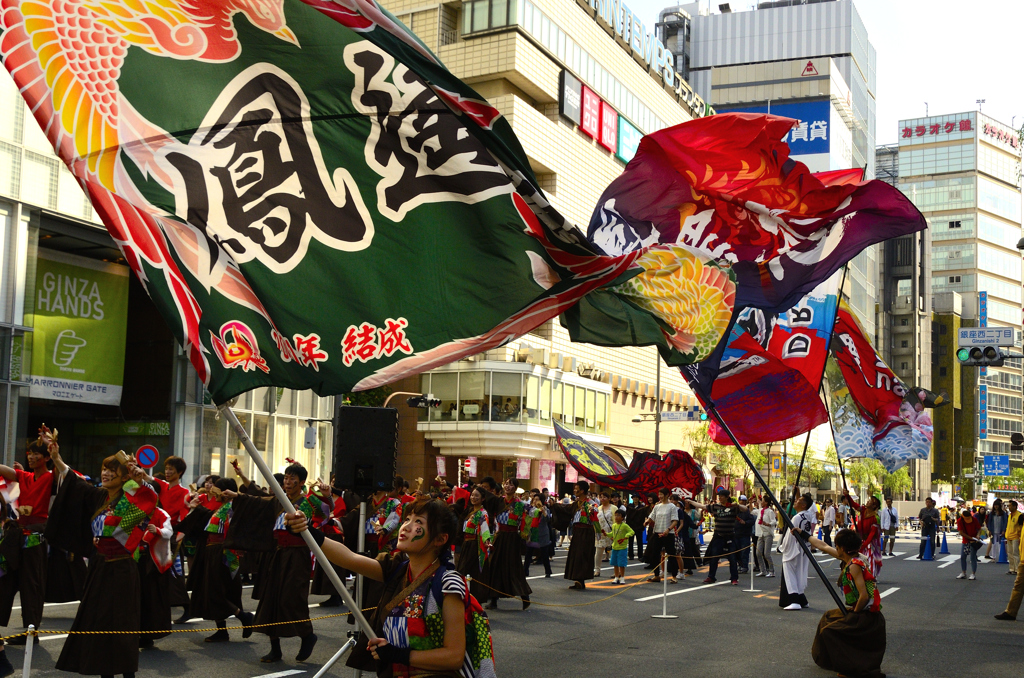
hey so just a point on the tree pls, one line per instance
(899, 482)
(374, 397)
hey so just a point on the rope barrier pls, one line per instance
(35, 632)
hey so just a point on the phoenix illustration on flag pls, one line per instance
(311, 199)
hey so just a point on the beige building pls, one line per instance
(579, 93)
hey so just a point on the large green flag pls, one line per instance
(309, 196)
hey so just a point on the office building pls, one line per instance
(961, 170)
(955, 424)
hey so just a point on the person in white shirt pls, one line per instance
(764, 527)
(888, 522)
(794, 561)
(665, 519)
(605, 518)
(828, 522)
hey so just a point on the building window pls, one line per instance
(942, 328)
(904, 322)
(942, 371)
(954, 279)
(942, 435)
(954, 224)
(904, 344)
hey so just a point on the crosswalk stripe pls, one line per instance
(679, 591)
(883, 594)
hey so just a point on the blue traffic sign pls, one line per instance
(997, 465)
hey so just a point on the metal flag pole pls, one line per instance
(337, 655)
(712, 410)
(286, 503)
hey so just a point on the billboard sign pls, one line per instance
(997, 465)
(590, 123)
(811, 135)
(629, 140)
(570, 101)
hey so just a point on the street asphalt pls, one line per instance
(937, 626)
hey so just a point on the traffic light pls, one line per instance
(424, 401)
(980, 356)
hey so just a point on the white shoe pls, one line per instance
(794, 606)
(962, 575)
(770, 574)
(620, 580)
(972, 578)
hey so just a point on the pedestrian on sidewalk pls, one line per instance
(1014, 522)
(722, 539)
(744, 529)
(765, 528)
(664, 519)
(969, 527)
(828, 521)
(996, 524)
(620, 534)
(889, 522)
(929, 517)
(1017, 594)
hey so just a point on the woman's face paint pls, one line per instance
(418, 533)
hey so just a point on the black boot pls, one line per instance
(306, 648)
(246, 618)
(526, 602)
(184, 616)
(275, 652)
(493, 605)
(145, 641)
(221, 635)
(333, 601)
(5, 665)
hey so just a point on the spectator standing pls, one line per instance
(605, 518)
(636, 518)
(539, 542)
(722, 539)
(620, 534)
(889, 522)
(794, 560)
(663, 519)
(691, 527)
(969, 527)
(765, 529)
(929, 517)
(1014, 522)
(744, 529)
(996, 524)
(828, 522)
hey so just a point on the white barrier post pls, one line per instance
(750, 568)
(664, 591)
(338, 655)
(30, 641)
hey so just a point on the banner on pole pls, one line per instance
(522, 469)
(546, 474)
(442, 467)
(571, 475)
(471, 467)
(78, 338)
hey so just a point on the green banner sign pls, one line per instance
(81, 309)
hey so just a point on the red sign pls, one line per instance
(937, 128)
(609, 127)
(147, 456)
(809, 69)
(1000, 134)
(591, 124)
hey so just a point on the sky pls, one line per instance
(948, 54)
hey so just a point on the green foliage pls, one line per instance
(374, 397)
(898, 483)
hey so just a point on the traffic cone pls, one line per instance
(1002, 551)
(945, 549)
(929, 549)
(819, 533)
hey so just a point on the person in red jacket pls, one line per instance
(36, 487)
(174, 498)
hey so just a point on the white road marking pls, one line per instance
(553, 575)
(883, 594)
(280, 674)
(72, 602)
(53, 637)
(949, 560)
(678, 591)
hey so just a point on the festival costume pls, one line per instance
(795, 563)
(11, 540)
(327, 518)
(579, 564)
(111, 600)
(476, 541)
(155, 577)
(871, 536)
(503, 571)
(174, 501)
(35, 492)
(216, 586)
(416, 621)
(852, 643)
(259, 522)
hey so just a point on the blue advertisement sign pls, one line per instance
(629, 140)
(982, 412)
(982, 322)
(997, 465)
(811, 136)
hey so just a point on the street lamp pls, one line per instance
(656, 418)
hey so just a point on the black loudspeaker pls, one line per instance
(365, 448)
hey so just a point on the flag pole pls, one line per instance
(279, 492)
(785, 516)
(821, 380)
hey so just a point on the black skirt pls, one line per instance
(154, 592)
(110, 602)
(177, 591)
(322, 585)
(65, 576)
(468, 565)
(287, 599)
(785, 597)
(216, 595)
(579, 565)
(850, 642)
(503, 571)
